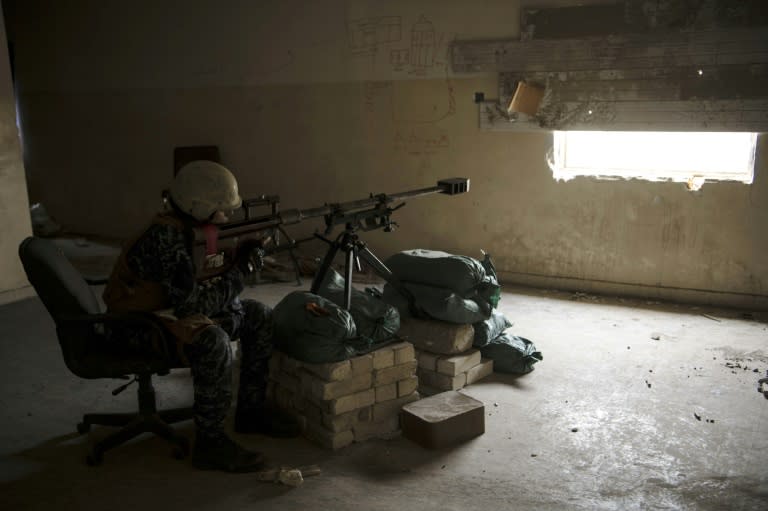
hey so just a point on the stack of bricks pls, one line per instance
(349, 401)
(446, 359)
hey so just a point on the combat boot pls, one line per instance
(222, 453)
(268, 420)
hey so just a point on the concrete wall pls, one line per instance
(327, 101)
(14, 205)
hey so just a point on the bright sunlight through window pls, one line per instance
(691, 158)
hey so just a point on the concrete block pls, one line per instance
(437, 336)
(443, 420)
(330, 372)
(394, 373)
(407, 386)
(387, 409)
(383, 357)
(441, 381)
(362, 364)
(480, 371)
(427, 360)
(404, 352)
(352, 402)
(386, 429)
(327, 390)
(327, 438)
(386, 392)
(455, 364)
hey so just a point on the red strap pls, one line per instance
(211, 239)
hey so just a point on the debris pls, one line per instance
(710, 317)
(656, 336)
(574, 430)
(698, 417)
(648, 383)
(292, 477)
(534, 455)
(629, 347)
(495, 404)
(747, 315)
(441, 468)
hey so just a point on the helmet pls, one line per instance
(203, 187)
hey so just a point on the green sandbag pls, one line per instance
(490, 329)
(511, 354)
(437, 303)
(465, 276)
(373, 318)
(313, 329)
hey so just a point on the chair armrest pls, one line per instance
(141, 319)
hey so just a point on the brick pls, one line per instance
(313, 413)
(342, 422)
(407, 386)
(326, 390)
(427, 360)
(392, 374)
(386, 429)
(284, 398)
(290, 365)
(388, 409)
(330, 372)
(442, 381)
(274, 363)
(386, 392)
(352, 402)
(437, 336)
(455, 364)
(362, 364)
(286, 380)
(404, 352)
(480, 371)
(327, 438)
(383, 357)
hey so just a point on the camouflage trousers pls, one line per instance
(210, 358)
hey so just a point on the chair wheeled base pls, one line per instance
(147, 420)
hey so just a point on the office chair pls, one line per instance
(80, 327)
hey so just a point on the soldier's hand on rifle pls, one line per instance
(250, 256)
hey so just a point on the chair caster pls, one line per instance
(181, 451)
(83, 428)
(94, 458)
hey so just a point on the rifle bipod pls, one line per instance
(354, 249)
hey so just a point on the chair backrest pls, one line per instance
(59, 285)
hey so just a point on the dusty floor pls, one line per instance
(636, 406)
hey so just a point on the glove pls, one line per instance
(250, 256)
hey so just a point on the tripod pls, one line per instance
(354, 249)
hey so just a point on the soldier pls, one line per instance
(156, 273)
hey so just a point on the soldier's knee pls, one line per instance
(257, 313)
(211, 340)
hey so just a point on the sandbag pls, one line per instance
(313, 329)
(490, 329)
(511, 354)
(468, 278)
(373, 317)
(437, 303)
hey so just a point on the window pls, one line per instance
(688, 157)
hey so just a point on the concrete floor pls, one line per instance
(607, 421)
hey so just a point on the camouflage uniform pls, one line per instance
(163, 254)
